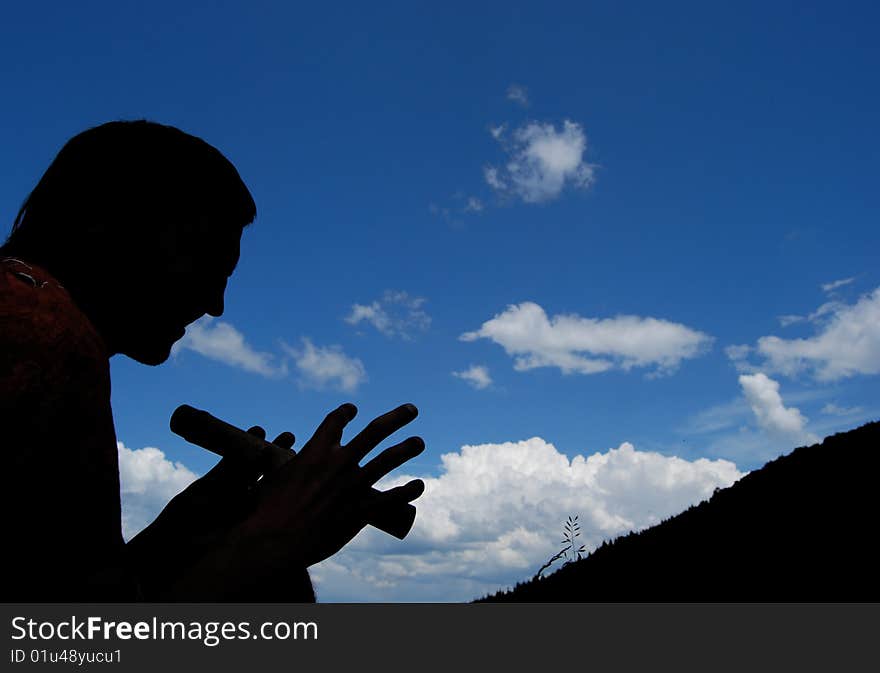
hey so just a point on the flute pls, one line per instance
(202, 429)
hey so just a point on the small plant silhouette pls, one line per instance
(571, 532)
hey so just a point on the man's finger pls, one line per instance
(406, 493)
(393, 497)
(230, 474)
(249, 466)
(391, 458)
(379, 429)
(330, 430)
(267, 461)
(390, 511)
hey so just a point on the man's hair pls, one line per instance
(126, 180)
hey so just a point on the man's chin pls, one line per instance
(150, 354)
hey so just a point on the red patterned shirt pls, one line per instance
(62, 533)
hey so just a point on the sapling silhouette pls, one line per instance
(571, 531)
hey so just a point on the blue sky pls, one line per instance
(617, 256)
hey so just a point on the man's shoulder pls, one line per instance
(43, 333)
(38, 316)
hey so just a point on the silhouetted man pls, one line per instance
(132, 234)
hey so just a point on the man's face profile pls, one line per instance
(183, 277)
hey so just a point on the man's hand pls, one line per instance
(314, 504)
(199, 518)
(294, 516)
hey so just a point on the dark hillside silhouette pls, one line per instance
(803, 527)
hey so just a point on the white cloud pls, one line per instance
(373, 314)
(588, 345)
(495, 513)
(222, 342)
(738, 355)
(473, 205)
(716, 418)
(518, 94)
(476, 375)
(762, 394)
(847, 344)
(818, 316)
(395, 314)
(832, 409)
(827, 309)
(542, 161)
(327, 367)
(737, 413)
(497, 131)
(493, 179)
(750, 447)
(832, 286)
(738, 352)
(786, 320)
(148, 480)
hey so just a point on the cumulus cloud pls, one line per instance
(847, 343)
(762, 394)
(495, 513)
(148, 480)
(222, 342)
(396, 313)
(491, 517)
(326, 367)
(475, 375)
(588, 345)
(541, 161)
(518, 94)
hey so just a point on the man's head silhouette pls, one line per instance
(141, 223)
